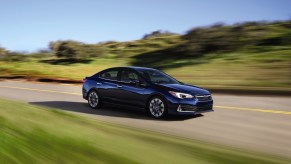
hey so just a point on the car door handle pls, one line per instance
(98, 83)
(119, 86)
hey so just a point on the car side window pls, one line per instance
(127, 76)
(109, 75)
(133, 76)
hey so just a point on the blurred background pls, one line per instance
(221, 44)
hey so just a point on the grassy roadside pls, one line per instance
(244, 71)
(38, 135)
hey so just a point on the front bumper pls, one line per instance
(189, 106)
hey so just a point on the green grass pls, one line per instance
(37, 69)
(240, 69)
(237, 69)
(32, 134)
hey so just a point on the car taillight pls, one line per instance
(84, 80)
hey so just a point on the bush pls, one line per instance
(15, 58)
(75, 50)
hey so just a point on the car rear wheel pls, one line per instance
(157, 107)
(94, 99)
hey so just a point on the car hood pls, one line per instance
(185, 88)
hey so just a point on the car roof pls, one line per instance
(136, 68)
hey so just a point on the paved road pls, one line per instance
(262, 123)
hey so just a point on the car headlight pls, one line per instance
(181, 95)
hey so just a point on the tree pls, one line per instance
(68, 49)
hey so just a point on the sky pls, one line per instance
(29, 25)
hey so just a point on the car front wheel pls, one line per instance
(157, 107)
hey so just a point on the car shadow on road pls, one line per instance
(107, 110)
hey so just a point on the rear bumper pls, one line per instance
(84, 93)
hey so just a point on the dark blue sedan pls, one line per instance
(146, 89)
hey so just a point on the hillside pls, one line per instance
(251, 54)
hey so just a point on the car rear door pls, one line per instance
(107, 87)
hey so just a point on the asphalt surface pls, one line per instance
(260, 123)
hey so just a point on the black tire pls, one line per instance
(94, 100)
(157, 107)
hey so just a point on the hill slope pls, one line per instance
(252, 54)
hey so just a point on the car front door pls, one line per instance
(132, 89)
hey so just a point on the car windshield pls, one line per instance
(158, 77)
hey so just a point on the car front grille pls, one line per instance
(203, 97)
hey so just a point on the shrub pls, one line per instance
(75, 50)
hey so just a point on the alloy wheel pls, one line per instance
(156, 107)
(93, 99)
